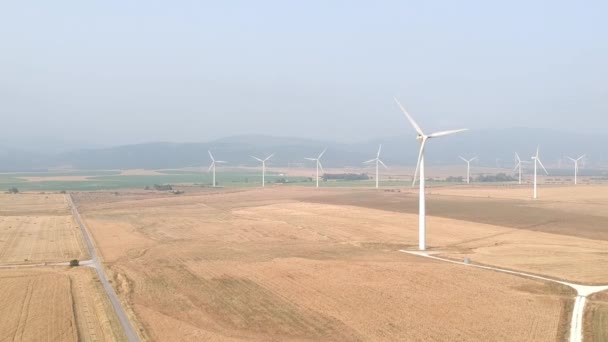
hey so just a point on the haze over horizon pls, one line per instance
(117, 73)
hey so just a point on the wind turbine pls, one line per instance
(468, 167)
(576, 167)
(318, 161)
(519, 165)
(537, 162)
(420, 166)
(263, 161)
(378, 161)
(212, 166)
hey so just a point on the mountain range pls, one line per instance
(493, 147)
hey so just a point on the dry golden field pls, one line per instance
(563, 235)
(54, 304)
(48, 303)
(38, 228)
(306, 264)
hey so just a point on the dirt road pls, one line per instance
(118, 309)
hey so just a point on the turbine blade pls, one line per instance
(537, 151)
(210, 155)
(322, 153)
(270, 156)
(473, 158)
(379, 149)
(210, 167)
(221, 162)
(312, 159)
(541, 164)
(369, 161)
(256, 158)
(516, 166)
(581, 157)
(517, 157)
(381, 162)
(574, 160)
(444, 133)
(320, 166)
(466, 161)
(419, 159)
(414, 124)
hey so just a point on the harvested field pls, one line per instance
(39, 304)
(596, 328)
(33, 204)
(265, 265)
(30, 239)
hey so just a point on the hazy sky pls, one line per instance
(113, 72)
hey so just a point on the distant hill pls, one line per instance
(493, 147)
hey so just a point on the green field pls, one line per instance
(112, 180)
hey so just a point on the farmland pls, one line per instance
(42, 300)
(299, 264)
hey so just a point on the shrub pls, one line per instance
(345, 176)
(163, 187)
(74, 263)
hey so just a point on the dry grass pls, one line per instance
(267, 265)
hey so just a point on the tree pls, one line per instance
(13, 190)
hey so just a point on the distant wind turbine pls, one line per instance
(576, 167)
(519, 165)
(378, 161)
(468, 167)
(537, 162)
(420, 166)
(213, 164)
(263, 161)
(318, 161)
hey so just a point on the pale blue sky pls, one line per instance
(113, 72)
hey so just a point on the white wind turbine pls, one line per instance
(519, 165)
(213, 164)
(537, 162)
(420, 166)
(576, 167)
(468, 167)
(378, 161)
(263, 161)
(318, 161)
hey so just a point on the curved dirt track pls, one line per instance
(576, 324)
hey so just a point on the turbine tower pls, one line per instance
(576, 167)
(318, 161)
(263, 161)
(213, 164)
(420, 166)
(519, 165)
(468, 167)
(537, 162)
(378, 161)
